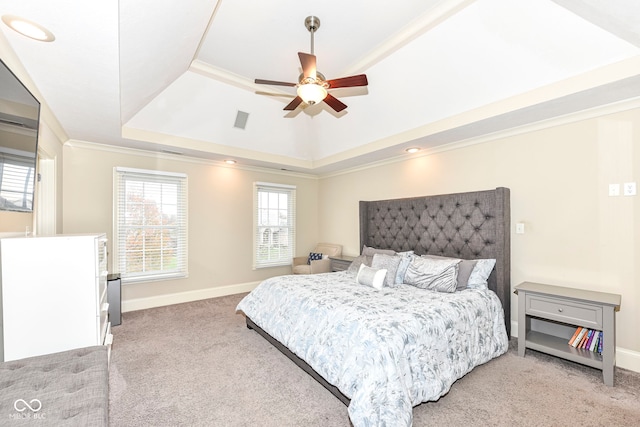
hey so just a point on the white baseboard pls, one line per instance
(626, 359)
(188, 296)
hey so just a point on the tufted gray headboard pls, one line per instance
(463, 225)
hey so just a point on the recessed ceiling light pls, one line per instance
(28, 28)
(412, 150)
(230, 162)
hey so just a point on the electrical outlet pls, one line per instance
(614, 189)
(629, 188)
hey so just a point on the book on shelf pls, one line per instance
(575, 335)
(594, 342)
(584, 339)
(600, 342)
(587, 339)
(587, 344)
(578, 339)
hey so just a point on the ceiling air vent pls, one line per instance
(241, 120)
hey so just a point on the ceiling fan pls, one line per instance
(312, 87)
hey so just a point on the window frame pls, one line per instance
(123, 175)
(286, 258)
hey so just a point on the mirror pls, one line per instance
(19, 115)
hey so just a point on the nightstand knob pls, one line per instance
(559, 310)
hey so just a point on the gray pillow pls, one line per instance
(464, 270)
(359, 260)
(389, 263)
(433, 274)
(367, 251)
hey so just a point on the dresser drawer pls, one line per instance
(566, 311)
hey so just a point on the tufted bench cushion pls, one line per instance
(70, 388)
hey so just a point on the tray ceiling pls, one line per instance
(172, 76)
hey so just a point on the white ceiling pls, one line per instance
(172, 75)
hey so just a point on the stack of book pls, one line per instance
(587, 339)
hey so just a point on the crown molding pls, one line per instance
(592, 113)
(85, 145)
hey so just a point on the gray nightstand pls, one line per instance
(549, 315)
(341, 263)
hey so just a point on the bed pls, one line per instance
(384, 350)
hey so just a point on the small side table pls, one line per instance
(341, 263)
(549, 315)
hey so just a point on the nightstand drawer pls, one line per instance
(563, 310)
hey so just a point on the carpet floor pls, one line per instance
(196, 364)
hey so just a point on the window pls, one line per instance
(16, 182)
(150, 222)
(274, 224)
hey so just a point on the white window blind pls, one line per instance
(274, 224)
(16, 182)
(150, 224)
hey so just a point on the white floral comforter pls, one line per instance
(387, 350)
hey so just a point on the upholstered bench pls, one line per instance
(70, 388)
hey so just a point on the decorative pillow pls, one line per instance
(314, 256)
(369, 276)
(367, 251)
(479, 277)
(358, 261)
(464, 270)
(389, 263)
(404, 253)
(405, 260)
(437, 275)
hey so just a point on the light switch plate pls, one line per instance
(629, 188)
(614, 189)
(520, 228)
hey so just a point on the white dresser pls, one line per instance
(53, 294)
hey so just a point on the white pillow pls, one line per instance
(480, 274)
(369, 276)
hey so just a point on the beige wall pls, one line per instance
(576, 235)
(15, 221)
(220, 218)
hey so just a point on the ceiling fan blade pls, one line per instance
(273, 82)
(293, 104)
(359, 80)
(334, 103)
(308, 63)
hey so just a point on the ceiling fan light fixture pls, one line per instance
(312, 93)
(312, 87)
